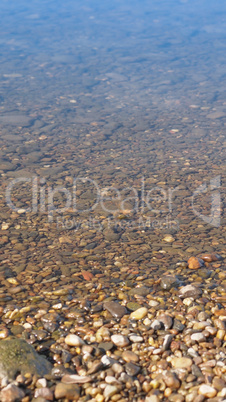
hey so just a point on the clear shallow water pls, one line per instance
(123, 94)
(124, 57)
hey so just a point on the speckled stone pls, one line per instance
(16, 355)
(132, 369)
(11, 393)
(181, 362)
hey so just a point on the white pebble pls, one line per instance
(41, 382)
(136, 338)
(188, 301)
(107, 360)
(74, 340)
(207, 391)
(5, 226)
(152, 398)
(109, 391)
(168, 238)
(109, 379)
(153, 303)
(198, 337)
(120, 340)
(27, 325)
(192, 352)
(156, 325)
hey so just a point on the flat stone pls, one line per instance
(7, 166)
(105, 346)
(168, 282)
(178, 325)
(75, 379)
(44, 392)
(111, 236)
(69, 391)
(181, 362)
(11, 393)
(189, 291)
(139, 313)
(132, 306)
(136, 338)
(215, 115)
(120, 340)
(218, 383)
(129, 356)
(201, 325)
(96, 366)
(198, 337)
(115, 309)
(17, 356)
(152, 398)
(132, 369)
(15, 120)
(142, 291)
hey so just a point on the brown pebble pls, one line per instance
(129, 356)
(69, 391)
(11, 393)
(210, 257)
(171, 380)
(195, 263)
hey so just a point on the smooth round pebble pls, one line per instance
(207, 391)
(74, 340)
(120, 340)
(139, 313)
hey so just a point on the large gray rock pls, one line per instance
(17, 356)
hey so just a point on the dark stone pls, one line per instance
(142, 291)
(132, 369)
(168, 282)
(17, 356)
(115, 309)
(178, 325)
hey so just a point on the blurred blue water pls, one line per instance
(125, 52)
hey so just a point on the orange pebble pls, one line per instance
(195, 263)
(87, 275)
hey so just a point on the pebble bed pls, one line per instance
(125, 301)
(158, 339)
